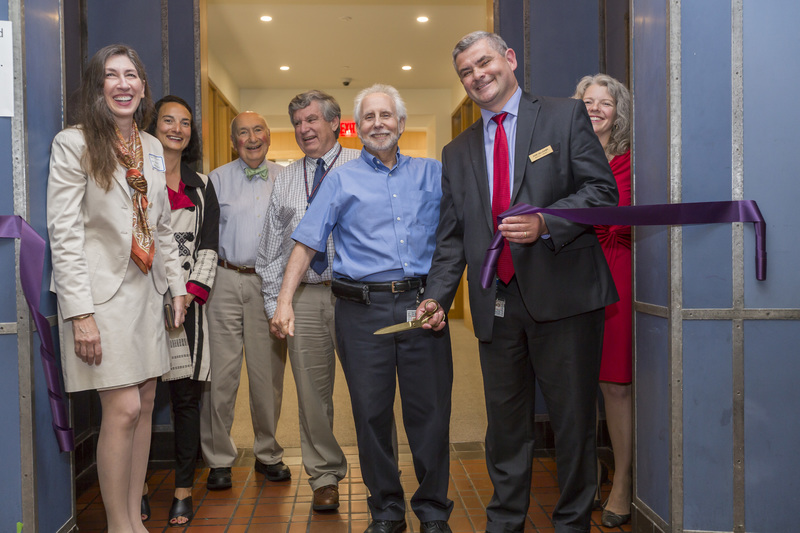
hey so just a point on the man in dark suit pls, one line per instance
(543, 317)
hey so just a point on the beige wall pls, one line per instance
(457, 94)
(428, 110)
(223, 81)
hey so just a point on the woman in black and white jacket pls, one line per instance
(195, 221)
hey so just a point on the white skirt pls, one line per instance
(132, 337)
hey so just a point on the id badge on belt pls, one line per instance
(500, 307)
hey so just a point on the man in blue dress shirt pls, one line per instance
(383, 209)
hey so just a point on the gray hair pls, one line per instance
(495, 41)
(619, 141)
(330, 107)
(388, 90)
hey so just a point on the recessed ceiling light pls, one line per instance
(406, 67)
(266, 18)
(422, 19)
(284, 67)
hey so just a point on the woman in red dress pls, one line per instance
(609, 104)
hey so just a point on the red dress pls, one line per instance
(617, 363)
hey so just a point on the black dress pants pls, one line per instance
(563, 356)
(420, 361)
(185, 395)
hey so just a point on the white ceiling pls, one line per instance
(326, 41)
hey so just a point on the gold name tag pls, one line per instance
(541, 153)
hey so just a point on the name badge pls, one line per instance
(500, 307)
(541, 153)
(157, 162)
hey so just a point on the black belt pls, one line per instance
(403, 285)
(358, 291)
(239, 269)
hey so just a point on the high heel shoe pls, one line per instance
(181, 509)
(612, 519)
(145, 507)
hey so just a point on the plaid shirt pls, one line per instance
(287, 206)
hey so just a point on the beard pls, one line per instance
(376, 145)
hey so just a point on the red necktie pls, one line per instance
(501, 195)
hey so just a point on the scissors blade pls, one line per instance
(402, 326)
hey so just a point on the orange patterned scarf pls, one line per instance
(129, 155)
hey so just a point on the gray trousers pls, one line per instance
(313, 358)
(238, 328)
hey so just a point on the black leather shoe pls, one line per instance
(611, 519)
(386, 526)
(219, 479)
(276, 472)
(437, 526)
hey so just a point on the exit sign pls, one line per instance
(347, 128)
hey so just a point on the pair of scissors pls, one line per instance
(412, 324)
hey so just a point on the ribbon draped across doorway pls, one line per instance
(644, 215)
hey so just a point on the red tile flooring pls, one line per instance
(257, 505)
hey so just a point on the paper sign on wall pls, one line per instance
(6, 70)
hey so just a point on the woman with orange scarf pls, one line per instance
(114, 257)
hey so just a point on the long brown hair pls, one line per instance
(96, 119)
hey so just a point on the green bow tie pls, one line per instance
(260, 172)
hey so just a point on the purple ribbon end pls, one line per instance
(761, 266)
(65, 438)
(489, 266)
(760, 227)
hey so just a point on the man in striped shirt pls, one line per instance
(315, 116)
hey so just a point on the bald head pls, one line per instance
(250, 136)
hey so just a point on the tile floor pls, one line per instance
(256, 505)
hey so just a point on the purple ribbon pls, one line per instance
(644, 215)
(31, 265)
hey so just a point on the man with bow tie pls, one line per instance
(237, 324)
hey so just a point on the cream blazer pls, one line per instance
(90, 228)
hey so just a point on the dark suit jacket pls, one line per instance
(560, 277)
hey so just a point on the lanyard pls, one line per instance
(310, 194)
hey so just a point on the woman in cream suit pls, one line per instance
(114, 257)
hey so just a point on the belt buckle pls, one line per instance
(395, 290)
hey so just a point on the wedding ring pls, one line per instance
(525, 235)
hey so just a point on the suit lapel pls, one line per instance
(526, 119)
(477, 155)
(119, 175)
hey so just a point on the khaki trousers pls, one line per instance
(313, 359)
(238, 328)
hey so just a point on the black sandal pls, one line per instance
(145, 507)
(181, 508)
